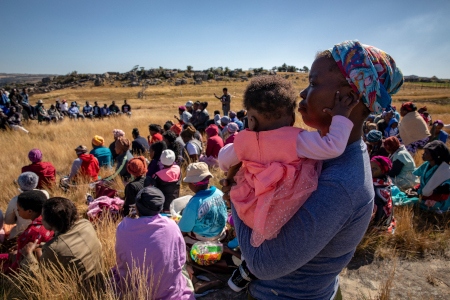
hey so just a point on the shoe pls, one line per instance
(240, 278)
(201, 286)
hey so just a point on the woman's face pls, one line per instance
(320, 94)
(426, 156)
(403, 112)
(376, 170)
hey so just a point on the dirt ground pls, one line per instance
(427, 279)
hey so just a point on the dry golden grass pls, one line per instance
(417, 233)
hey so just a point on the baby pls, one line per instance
(280, 163)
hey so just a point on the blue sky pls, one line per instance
(98, 36)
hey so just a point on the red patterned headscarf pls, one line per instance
(383, 162)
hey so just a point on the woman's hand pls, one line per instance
(342, 106)
(29, 248)
(411, 193)
(228, 182)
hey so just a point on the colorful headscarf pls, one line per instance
(118, 133)
(35, 155)
(391, 143)
(383, 162)
(371, 72)
(98, 140)
(409, 106)
(137, 166)
(374, 136)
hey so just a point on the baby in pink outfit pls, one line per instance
(280, 163)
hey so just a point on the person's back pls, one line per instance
(79, 249)
(103, 155)
(309, 266)
(140, 145)
(168, 181)
(153, 244)
(45, 171)
(89, 166)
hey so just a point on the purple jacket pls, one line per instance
(154, 244)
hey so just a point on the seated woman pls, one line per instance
(204, 217)
(437, 134)
(375, 144)
(137, 167)
(151, 245)
(85, 167)
(122, 149)
(44, 170)
(192, 146)
(155, 165)
(168, 179)
(413, 130)
(213, 146)
(27, 181)
(434, 189)
(101, 153)
(383, 210)
(75, 246)
(403, 164)
(392, 128)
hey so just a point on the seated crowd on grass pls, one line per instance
(152, 237)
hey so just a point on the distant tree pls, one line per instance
(291, 69)
(274, 68)
(189, 68)
(249, 74)
(305, 69)
(434, 78)
(134, 69)
(226, 70)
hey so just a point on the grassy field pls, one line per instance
(418, 233)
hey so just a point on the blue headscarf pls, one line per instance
(371, 72)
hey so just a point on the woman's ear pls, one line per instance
(253, 123)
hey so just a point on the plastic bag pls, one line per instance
(206, 253)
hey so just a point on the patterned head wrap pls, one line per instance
(35, 155)
(371, 72)
(374, 136)
(118, 133)
(383, 162)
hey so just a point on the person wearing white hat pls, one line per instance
(168, 179)
(204, 217)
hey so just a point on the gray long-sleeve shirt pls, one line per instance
(310, 251)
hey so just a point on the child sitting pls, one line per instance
(272, 185)
(204, 217)
(27, 181)
(168, 179)
(383, 210)
(29, 207)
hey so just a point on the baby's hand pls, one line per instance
(342, 106)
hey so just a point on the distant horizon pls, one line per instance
(99, 73)
(93, 37)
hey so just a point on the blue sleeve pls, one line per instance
(187, 221)
(321, 217)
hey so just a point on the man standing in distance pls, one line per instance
(226, 101)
